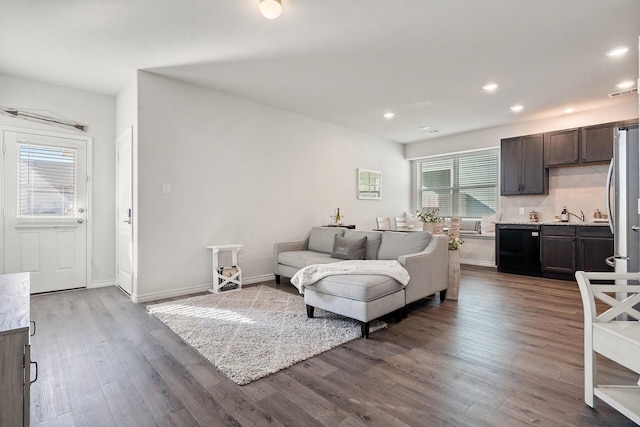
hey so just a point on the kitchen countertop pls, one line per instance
(584, 224)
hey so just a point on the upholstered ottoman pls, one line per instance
(362, 297)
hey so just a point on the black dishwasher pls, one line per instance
(518, 249)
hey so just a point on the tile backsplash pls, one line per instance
(579, 188)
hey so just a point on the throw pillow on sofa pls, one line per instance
(349, 248)
(373, 241)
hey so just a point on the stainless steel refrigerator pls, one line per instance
(623, 208)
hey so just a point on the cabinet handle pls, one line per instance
(34, 328)
(36, 378)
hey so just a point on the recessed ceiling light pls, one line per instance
(423, 128)
(617, 51)
(517, 108)
(490, 86)
(569, 110)
(625, 85)
(389, 115)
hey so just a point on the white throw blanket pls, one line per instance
(312, 273)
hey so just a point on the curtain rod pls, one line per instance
(26, 115)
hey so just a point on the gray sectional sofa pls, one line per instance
(365, 296)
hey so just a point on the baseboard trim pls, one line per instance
(478, 263)
(102, 284)
(258, 279)
(154, 296)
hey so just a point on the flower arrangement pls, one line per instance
(455, 242)
(428, 216)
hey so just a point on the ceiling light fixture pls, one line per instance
(617, 51)
(270, 9)
(490, 87)
(625, 85)
(569, 110)
(517, 108)
(389, 115)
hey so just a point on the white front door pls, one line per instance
(46, 208)
(124, 244)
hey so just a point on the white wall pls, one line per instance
(242, 172)
(127, 119)
(98, 113)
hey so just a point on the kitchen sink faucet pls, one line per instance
(581, 217)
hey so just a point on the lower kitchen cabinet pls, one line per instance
(558, 250)
(594, 246)
(568, 248)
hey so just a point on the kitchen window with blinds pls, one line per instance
(46, 181)
(461, 185)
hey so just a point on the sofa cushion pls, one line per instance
(394, 245)
(360, 287)
(349, 247)
(300, 259)
(321, 238)
(373, 241)
(323, 260)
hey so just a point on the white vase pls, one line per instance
(429, 226)
(454, 275)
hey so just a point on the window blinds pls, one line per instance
(46, 181)
(464, 185)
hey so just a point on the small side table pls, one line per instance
(218, 279)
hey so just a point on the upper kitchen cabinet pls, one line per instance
(562, 147)
(522, 168)
(597, 143)
(589, 144)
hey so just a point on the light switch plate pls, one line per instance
(166, 188)
(521, 211)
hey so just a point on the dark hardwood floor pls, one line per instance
(507, 353)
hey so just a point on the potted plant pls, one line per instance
(455, 242)
(429, 218)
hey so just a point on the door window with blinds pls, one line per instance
(462, 185)
(46, 181)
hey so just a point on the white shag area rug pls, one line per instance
(253, 332)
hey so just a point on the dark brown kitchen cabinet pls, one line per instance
(562, 147)
(15, 356)
(589, 144)
(522, 166)
(558, 250)
(597, 143)
(595, 244)
(569, 248)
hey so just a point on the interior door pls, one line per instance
(124, 244)
(45, 207)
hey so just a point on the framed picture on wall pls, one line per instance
(369, 184)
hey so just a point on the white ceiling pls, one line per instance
(341, 61)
